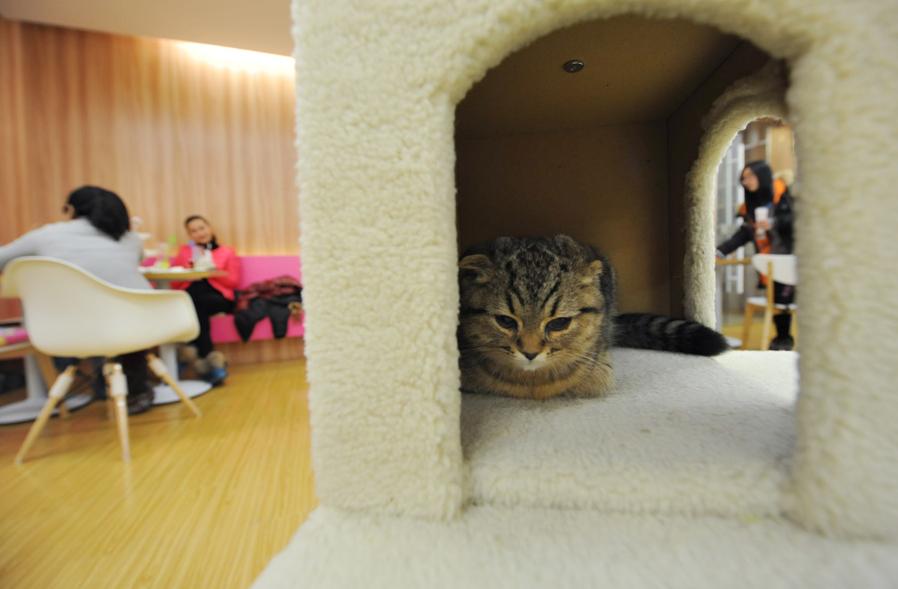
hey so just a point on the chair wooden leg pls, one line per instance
(765, 332)
(45, 365)
(795, 326)
(57, 392)
(118, 390)
(158, 368)
(63, 409)
(746, 324)
(768, 309)
(49, 373)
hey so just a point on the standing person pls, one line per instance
(771, 234)
(96, 237)
(210, 296)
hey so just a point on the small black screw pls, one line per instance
(573, 66)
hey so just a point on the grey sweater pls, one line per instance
(82, 244)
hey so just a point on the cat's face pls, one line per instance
(531, 305)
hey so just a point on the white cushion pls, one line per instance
(679, 434)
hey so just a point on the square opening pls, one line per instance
(603, 155)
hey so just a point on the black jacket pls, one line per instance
(781, 235)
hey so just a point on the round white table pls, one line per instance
(168, 353)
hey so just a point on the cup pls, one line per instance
(162, 261)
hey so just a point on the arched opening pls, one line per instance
(741, 300)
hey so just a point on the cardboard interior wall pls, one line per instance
(377, 91)
(602, 155)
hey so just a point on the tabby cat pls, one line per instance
(537, 319)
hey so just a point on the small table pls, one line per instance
(168, 353)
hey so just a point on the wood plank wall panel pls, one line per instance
(171, 133)
(263, 351)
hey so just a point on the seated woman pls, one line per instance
(97, 238)
(211, 296)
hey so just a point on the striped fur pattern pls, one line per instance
(537, 320)
(658, 332)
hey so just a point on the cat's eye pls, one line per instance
(506, 322)
(559, 324)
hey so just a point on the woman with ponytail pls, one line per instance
(96, 237)
(771, 234)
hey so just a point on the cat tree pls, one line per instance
(699, 472)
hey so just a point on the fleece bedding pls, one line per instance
(493, 547)
(678, 434)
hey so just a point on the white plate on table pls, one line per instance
(152, 269)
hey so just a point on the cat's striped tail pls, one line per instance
(657, 332)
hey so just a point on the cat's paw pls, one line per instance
(598, 386)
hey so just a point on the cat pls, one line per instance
(537, 319)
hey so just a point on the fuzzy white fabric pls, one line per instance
(746, 100)
(377, 87)
(491, 547)
(679, 434)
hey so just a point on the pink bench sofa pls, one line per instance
(256, 269)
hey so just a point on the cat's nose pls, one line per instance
(530, 355)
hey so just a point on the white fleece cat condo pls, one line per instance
(696, 472)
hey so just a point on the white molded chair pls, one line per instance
(69, 312)
(782, 268)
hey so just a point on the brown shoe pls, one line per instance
(217, 359)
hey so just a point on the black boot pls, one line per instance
(782, 341)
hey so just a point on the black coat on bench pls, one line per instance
(276, 299)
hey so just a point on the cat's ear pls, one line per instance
(592, 272)
(566, 240)
(568, 245)
(476, 267)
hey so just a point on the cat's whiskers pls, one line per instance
(484, 348)
(530, 293)
(587, 360)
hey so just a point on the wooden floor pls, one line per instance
(205, 502)
(732, 327)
